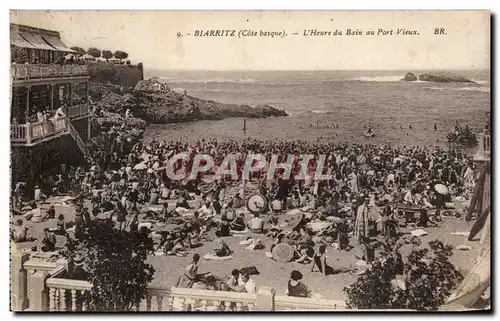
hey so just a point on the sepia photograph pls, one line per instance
(249, 161)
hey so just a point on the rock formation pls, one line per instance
(173, 107)
(443, 78)
(410, 77)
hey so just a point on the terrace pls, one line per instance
(24, 72)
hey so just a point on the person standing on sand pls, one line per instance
(191, 272)
(17, 197)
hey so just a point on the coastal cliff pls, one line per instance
(165, 106)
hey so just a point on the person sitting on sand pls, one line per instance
(206, 210)
(230, 212)
(304, 246)
(232, 281)
(239, 223)
(61, 225)
(51, 212)
(295, 286)
(182, 202)
(48, 241)
(19, 232)
(256, 224)
(220, 247)
(246, 284)
(168, 244)
(238, 202)
(424, 220)
(225, 229)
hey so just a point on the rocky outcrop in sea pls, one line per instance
(437, 77)
(410, 77)
(443, 78)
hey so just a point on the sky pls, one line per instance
(151, 37)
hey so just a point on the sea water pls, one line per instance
(333, 105)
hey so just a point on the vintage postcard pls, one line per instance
(250, 160)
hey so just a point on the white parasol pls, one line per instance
(140, 166)
(441, 189)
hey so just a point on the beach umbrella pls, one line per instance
(283, 252)
(370, 172)
(140, 166)
(257, 203)
(361, 159)
(441, 189)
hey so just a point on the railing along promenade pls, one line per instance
(41, 286)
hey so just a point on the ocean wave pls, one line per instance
(480, 89)
(319, 111)
(378, 78)
(481, 82)
(209, 81)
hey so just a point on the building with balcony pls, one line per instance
(49, 105)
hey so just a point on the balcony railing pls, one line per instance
(32, 132)
(78, 110)
(32, 71)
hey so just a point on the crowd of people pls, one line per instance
(371, 186)
(462, 136)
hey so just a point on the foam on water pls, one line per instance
(378, 78)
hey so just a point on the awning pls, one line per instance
(56, 43)
(17, 40)
(37, 40)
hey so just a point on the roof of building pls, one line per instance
(36, 38)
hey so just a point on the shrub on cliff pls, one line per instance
(115, 264)
(428, 281)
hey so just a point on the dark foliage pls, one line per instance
(107, 54)
(119, 54)
(429, 278)
(94, 52)
(79, 50)
(115, 263)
